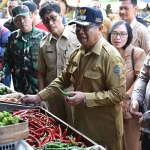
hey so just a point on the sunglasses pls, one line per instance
(46, 20)
(84, 28)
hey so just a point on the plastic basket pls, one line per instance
(17, 145)
(8, 146)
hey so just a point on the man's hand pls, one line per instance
(77, 98)
(134, 109)
(30, 99)
(43, 104)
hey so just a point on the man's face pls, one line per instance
(52, 21)
(95, 4)
(88, 35)
(11, 5)
(24, 23)
(127, 11)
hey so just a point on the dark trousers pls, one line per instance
(145, 142)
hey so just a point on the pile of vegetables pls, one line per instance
(45, 133)
(4, 90)
(7, 95)
(7, 118)
(60, 146)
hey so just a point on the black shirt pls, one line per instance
(10, 25)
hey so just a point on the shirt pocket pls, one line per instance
(50, 58)
(92, 74)
(49, 54)
(92, 81)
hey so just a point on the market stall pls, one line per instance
(38, 129)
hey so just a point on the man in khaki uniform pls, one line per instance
(54, 52)
(141, 36)
(97, 73)
(106, 21)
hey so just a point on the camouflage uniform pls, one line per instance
(21, 54)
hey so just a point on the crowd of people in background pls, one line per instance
(103, 65)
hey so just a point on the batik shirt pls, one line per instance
(21, 55)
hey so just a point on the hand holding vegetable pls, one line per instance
(77, 98)
(64, 93)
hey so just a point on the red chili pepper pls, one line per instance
(21, 112)
(17, 112)
(38, 135)
(37, 124)
(52, 133)
(74, 139)
(60, 131)
(52, 120)
(47, 139)
(65, 132)
(34, 139)
(39, 115)
(33, 125)
(53, 130)
(79, 137)
(30, 142)
(34, 110)
(40, 129)
(57, 136)
(25, 112)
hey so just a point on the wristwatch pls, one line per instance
(127, 96)
(84, 102)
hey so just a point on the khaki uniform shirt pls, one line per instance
(106, 27)
(100, 74)
(141, 36)
(54, 53)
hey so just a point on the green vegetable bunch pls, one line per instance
(62, 146)
(4, 90)
(6, 118)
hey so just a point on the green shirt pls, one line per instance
(21, 55)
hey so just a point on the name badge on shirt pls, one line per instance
(49, 51)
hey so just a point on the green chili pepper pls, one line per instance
(64, 93)
(53, 145)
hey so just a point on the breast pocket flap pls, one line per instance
(92, 74)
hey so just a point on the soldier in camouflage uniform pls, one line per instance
(22, 51)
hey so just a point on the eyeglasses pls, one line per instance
(124, 8)
(48, 19)
(84, 28)
(121, 34)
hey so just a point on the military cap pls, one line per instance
(21, 10)
(87, 16)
